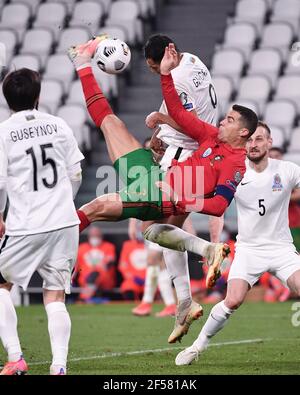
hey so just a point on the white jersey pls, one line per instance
(36, 149)
(194, 86)
(262, 201)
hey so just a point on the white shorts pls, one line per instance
(51, 254)
(170, 154)
(250, 264)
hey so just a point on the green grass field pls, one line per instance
(103, 337)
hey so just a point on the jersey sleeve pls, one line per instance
(230, 176)
(3, 162)
(3, 176)
(190, 124)
(73, 153)
(295, 176)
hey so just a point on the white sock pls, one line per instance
(152, 274)
(177, 265)
(217, 319)
(8, 327)
(171, 236)
(59, 327)
(165, 287)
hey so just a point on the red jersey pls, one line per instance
(222, 165)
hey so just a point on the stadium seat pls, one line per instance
(253, 105)
(33, 4)
(241, 36)
(277, 35)
(292, 157)
(71, 36)
(266, 62)
(224, 90)
(60, 68)
(88, 14)
(29, 61)
(68, 3)
(76, 95)
(229, 63)
(287, 11)
(281, 113)
(106, 4)
(4, 113)
(146, 8)
(256, 88)
(105, 80)
(15, 16)
(2, 98)
(51, 16)
(51, 94)
(289, 88)
(44, 108)
(125, 13)
(270, 4)
(39, 42)
(253, 11)
(294, 141)
(293, 63)
(9, 38)
(278, 136)
(115, 32)
(75, 116)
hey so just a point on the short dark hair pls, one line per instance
(265, 126)
(248, 118)
(21, 89)
(155, 47)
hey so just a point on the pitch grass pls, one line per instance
(104, 329)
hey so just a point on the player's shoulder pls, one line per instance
(283, 165)
(190, 64)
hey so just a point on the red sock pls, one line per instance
(84, 222)
(96, 102)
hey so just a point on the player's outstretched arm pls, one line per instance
(188, 122)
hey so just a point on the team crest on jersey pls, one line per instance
(277, 185)
(238, 177)
(207, 152)
(184, 100)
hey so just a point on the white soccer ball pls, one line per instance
(112, 55)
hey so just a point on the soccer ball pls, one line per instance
(112, 55)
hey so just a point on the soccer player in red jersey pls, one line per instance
(217, 166)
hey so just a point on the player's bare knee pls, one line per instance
(51, 296)
(233, 302)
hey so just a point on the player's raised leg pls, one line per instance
(218, 317)
(177, 239)
(16, 365)
(118, 139)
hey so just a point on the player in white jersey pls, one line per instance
(194, 86)
(264, 241)
(40, 172)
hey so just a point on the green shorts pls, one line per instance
(296, 237)
(141, 197)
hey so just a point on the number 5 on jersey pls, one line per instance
(262, 207)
